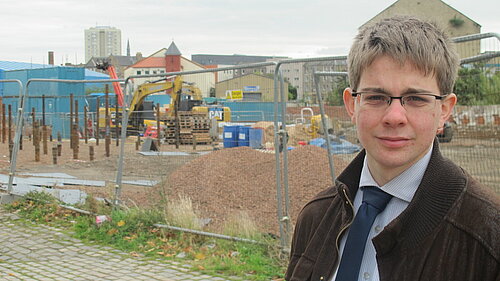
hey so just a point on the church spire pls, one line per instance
(128, 48)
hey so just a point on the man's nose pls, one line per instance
(395, 113)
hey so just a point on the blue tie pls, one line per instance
(374, 202)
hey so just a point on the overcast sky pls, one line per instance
(31, 28)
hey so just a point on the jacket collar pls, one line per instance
(442, 184)
(351, 175)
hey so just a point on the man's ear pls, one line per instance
(349, 103)
(447, 105)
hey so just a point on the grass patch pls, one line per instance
(43, 208)
(181, 213)
(132, 230)
(240, 224)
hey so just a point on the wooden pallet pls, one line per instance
(191, 124)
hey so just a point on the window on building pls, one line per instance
(146, 72)
(138, 72)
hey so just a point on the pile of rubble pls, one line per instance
(242, 179)
(296, 133)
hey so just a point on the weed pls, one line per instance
(181, 213)
(42, 207)
(96, 207)
(241, 224)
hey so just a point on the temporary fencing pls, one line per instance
(475, 124)
(229, 176)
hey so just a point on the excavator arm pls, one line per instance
(106, 66)
(147, 89)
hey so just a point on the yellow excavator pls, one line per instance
(184, 97)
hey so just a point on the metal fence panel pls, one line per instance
(228, 178)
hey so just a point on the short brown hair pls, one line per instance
(405, 38)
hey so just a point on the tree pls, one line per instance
(477, 86)
(292, 92)
(469, 86)
(335, 97)
(492, 89)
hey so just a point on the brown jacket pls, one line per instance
(450, 230)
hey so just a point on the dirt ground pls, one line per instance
(219, 183)
(136, 166)
(224, 182)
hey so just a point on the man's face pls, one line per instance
(395, 137)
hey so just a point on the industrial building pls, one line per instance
(56, 94)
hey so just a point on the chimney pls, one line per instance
(51, 57)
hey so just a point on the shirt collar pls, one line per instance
(403, 186)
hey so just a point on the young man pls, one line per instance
(399, 211)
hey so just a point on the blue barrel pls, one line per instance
(230, 134)
(255, 137)
(243, 136)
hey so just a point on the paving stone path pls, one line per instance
(40, 252)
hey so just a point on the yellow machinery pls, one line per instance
(184, 97)
(317, 126)
(138, 114)
(214, 111)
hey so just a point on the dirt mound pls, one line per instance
(229, 180)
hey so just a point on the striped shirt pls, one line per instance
(402, 188)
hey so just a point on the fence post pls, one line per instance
(1, 125)
(91, 153)
(33, 120)
(107, 138)
(71, 120)
(54, 154)
(44, 139)
(4, 124)
(77, 127)
(59, 144)
(97, 118)
(36, 141)
(75, 141)
(158, 127)
(117, 122)
(10, 123)
(44, 128)
(85, 125)
(43, 110)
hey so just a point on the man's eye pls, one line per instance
(416, 98)
(375, 97)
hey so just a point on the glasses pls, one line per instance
(418, 102)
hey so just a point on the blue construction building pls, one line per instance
(57, 102)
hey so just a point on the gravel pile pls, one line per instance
(242, 179)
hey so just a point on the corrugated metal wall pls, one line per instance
(251, 111)
(57, 102)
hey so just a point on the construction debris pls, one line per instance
(243, 179)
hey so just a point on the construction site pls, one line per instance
(223, 171)
(252, 143)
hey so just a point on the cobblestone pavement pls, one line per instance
(40, 252)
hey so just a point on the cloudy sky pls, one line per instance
(31, 28)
